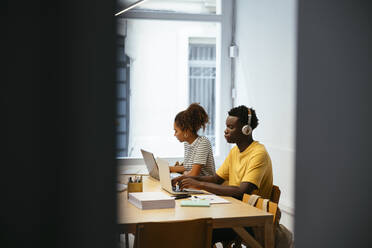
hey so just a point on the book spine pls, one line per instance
(158, 204)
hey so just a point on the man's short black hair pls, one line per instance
(242, 113)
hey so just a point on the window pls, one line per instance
(122, 67)
(202, 80)
(170, 61)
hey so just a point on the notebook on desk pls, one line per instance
(166, 183)
(152, 165)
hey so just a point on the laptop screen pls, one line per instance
(150, 162)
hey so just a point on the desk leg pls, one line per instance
(269, 235)
(247, 237)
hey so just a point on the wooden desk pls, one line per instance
(235, 215)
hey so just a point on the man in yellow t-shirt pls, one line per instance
(253, 165)
(247, 168)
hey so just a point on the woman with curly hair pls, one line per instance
(198, 154)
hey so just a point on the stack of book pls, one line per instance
(151, 200)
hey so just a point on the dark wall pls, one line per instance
(333, 161)
(58, 133)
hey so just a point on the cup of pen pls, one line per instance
(135, 184)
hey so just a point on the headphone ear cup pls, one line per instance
(246, 130)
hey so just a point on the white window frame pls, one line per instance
(223, 85)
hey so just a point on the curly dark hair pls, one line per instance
(192, 119)
(242, 113)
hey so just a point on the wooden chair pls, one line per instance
(275, 194)
(273, 208)
(193, 233)
(258, 232)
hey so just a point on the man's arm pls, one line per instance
(234, 191)
(211, 179)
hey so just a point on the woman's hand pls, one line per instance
(178, 164)
(195, 171)
(178, 169)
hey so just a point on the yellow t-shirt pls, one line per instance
(253, 165)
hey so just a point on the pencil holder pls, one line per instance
(135, 187)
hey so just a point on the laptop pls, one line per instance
(152, 165)
(166, 183)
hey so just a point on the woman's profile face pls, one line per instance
(179, 133)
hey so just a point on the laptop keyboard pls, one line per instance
(189, 191)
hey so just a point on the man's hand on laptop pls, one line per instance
(177, 180)
(188, 182)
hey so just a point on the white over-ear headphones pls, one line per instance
(247, 129)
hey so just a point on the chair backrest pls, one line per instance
(275, 194)
(272, 206)
(193, 233)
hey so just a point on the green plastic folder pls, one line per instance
(195, 203)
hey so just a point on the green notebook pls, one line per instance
(195, 203)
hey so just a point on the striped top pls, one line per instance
(199, 152)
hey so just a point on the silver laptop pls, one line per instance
(152, 165)
(166, 183)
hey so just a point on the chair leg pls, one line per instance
(126, 240)
(232, 244)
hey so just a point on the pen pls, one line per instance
(181, 196)
(200, 197)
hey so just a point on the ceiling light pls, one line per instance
(130, 7)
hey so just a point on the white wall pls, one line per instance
(265, 80)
